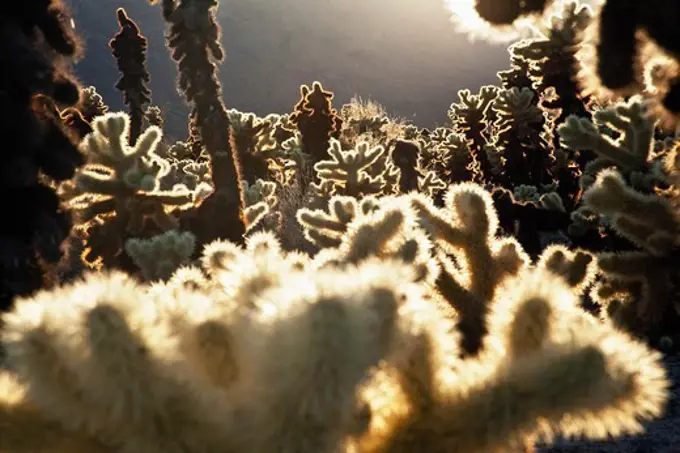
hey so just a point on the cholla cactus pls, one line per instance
(547, 65)
(38, 47)
(248, 131)
(118, 188)
(497, 20)
(159, 256)
(639, 287)
(474, 261)
(183, 168)
(193, 38)
(326, 229)
(431, 184)
(91, 104)
(116, 172)
(632, 150)
(287, 158)
(627, 45)
(194, 176)
(472, 117)
(260, 191)
(518, 76)
(622, 138)
(533, 222)
(260, 199)
(646, 220)
(354, 231)
(448, 246)
(522, 140)
(629, 207)
(135, 168)
(179, 151)
(274, 352)
(631, 48)
(348, 171)
(404, 156)
(154, 116)
(448, 155)
(526, 193)
(129, 48)
(316, 120)
(552, 62)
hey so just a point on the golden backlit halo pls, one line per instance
(467, 21)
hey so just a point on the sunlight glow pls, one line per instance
(467, 21)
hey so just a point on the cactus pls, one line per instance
(129, 48)
(38, 152)
(118, 189)
(159, 256)
(629, 47)
(273, 351)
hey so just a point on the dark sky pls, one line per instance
(402, 53)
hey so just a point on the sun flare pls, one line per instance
(469, 22)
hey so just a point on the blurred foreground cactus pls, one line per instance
(263, 350)
(37, 47)
(346, 312)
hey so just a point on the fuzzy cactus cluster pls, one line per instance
(258, 349)
(629, 47)
(333, 279)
